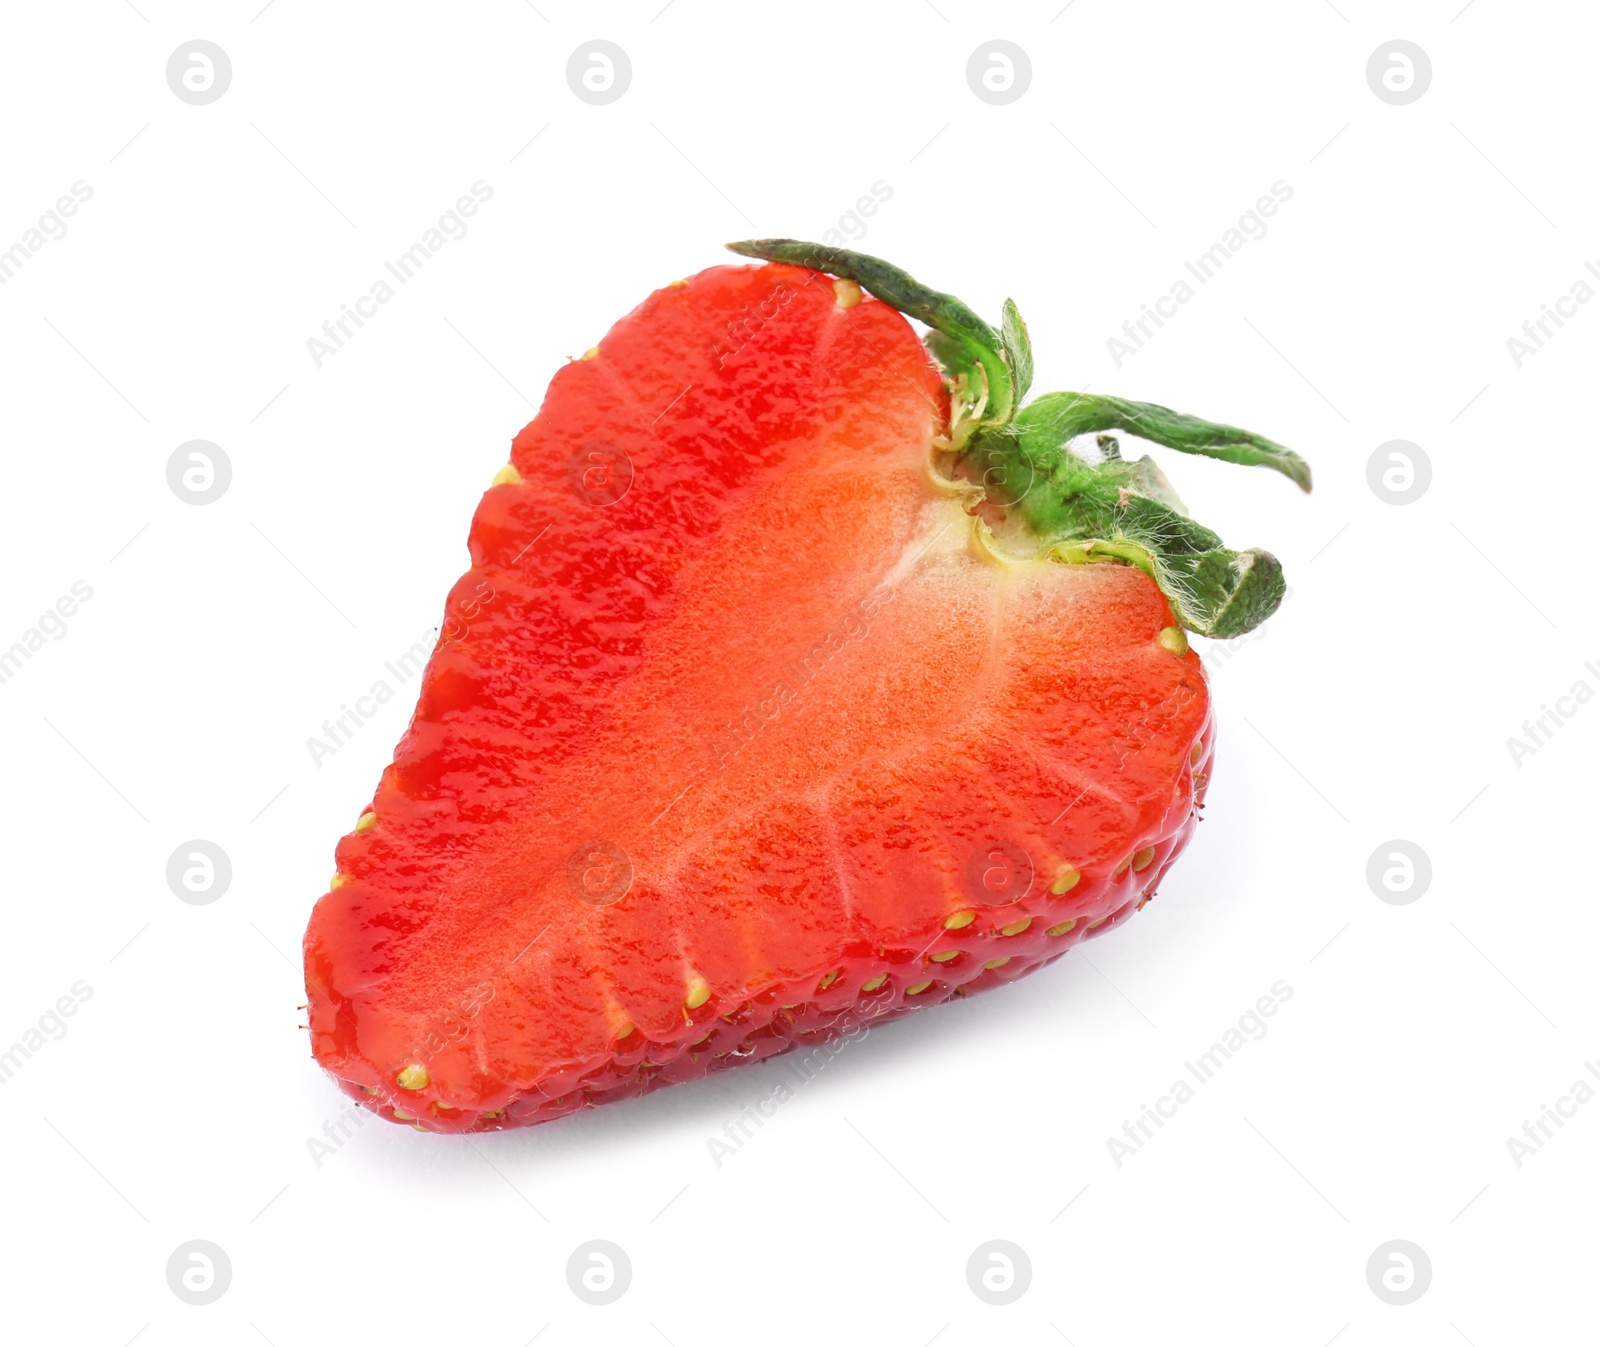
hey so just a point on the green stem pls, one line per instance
(1043, 495)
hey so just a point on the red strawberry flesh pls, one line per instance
(730, 727)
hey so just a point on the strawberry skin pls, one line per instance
(766, 710)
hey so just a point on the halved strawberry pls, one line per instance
(778, 699)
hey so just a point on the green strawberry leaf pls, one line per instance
(1213, 591)
(1050, 421)
(1018, 349)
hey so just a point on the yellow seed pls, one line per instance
(1066, 880)
(701, 1039)
(828, 979)
(366, 821)
(590, 354)
(997, 963)
(625, 1030)
(872, 984)
(1143, 857)
(401, 1114)
(956, 920)
(698, 994)
(367, 1089)
(507, 476)
(917, 987)
(413, 1077)
(338, 881)
(676, 285)
(1017, 927)
(1173, 639)
(846, 294)
(1123, 866)
(1062, 927)
(944, 955)
(1101, 922)
(1197, 752)
(419, 1127)
(493, 1113)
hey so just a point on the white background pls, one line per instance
(1377, 705)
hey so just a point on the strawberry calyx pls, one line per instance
(1035, 495)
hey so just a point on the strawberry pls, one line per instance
(803, 677)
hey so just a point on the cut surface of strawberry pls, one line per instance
(802, 677)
